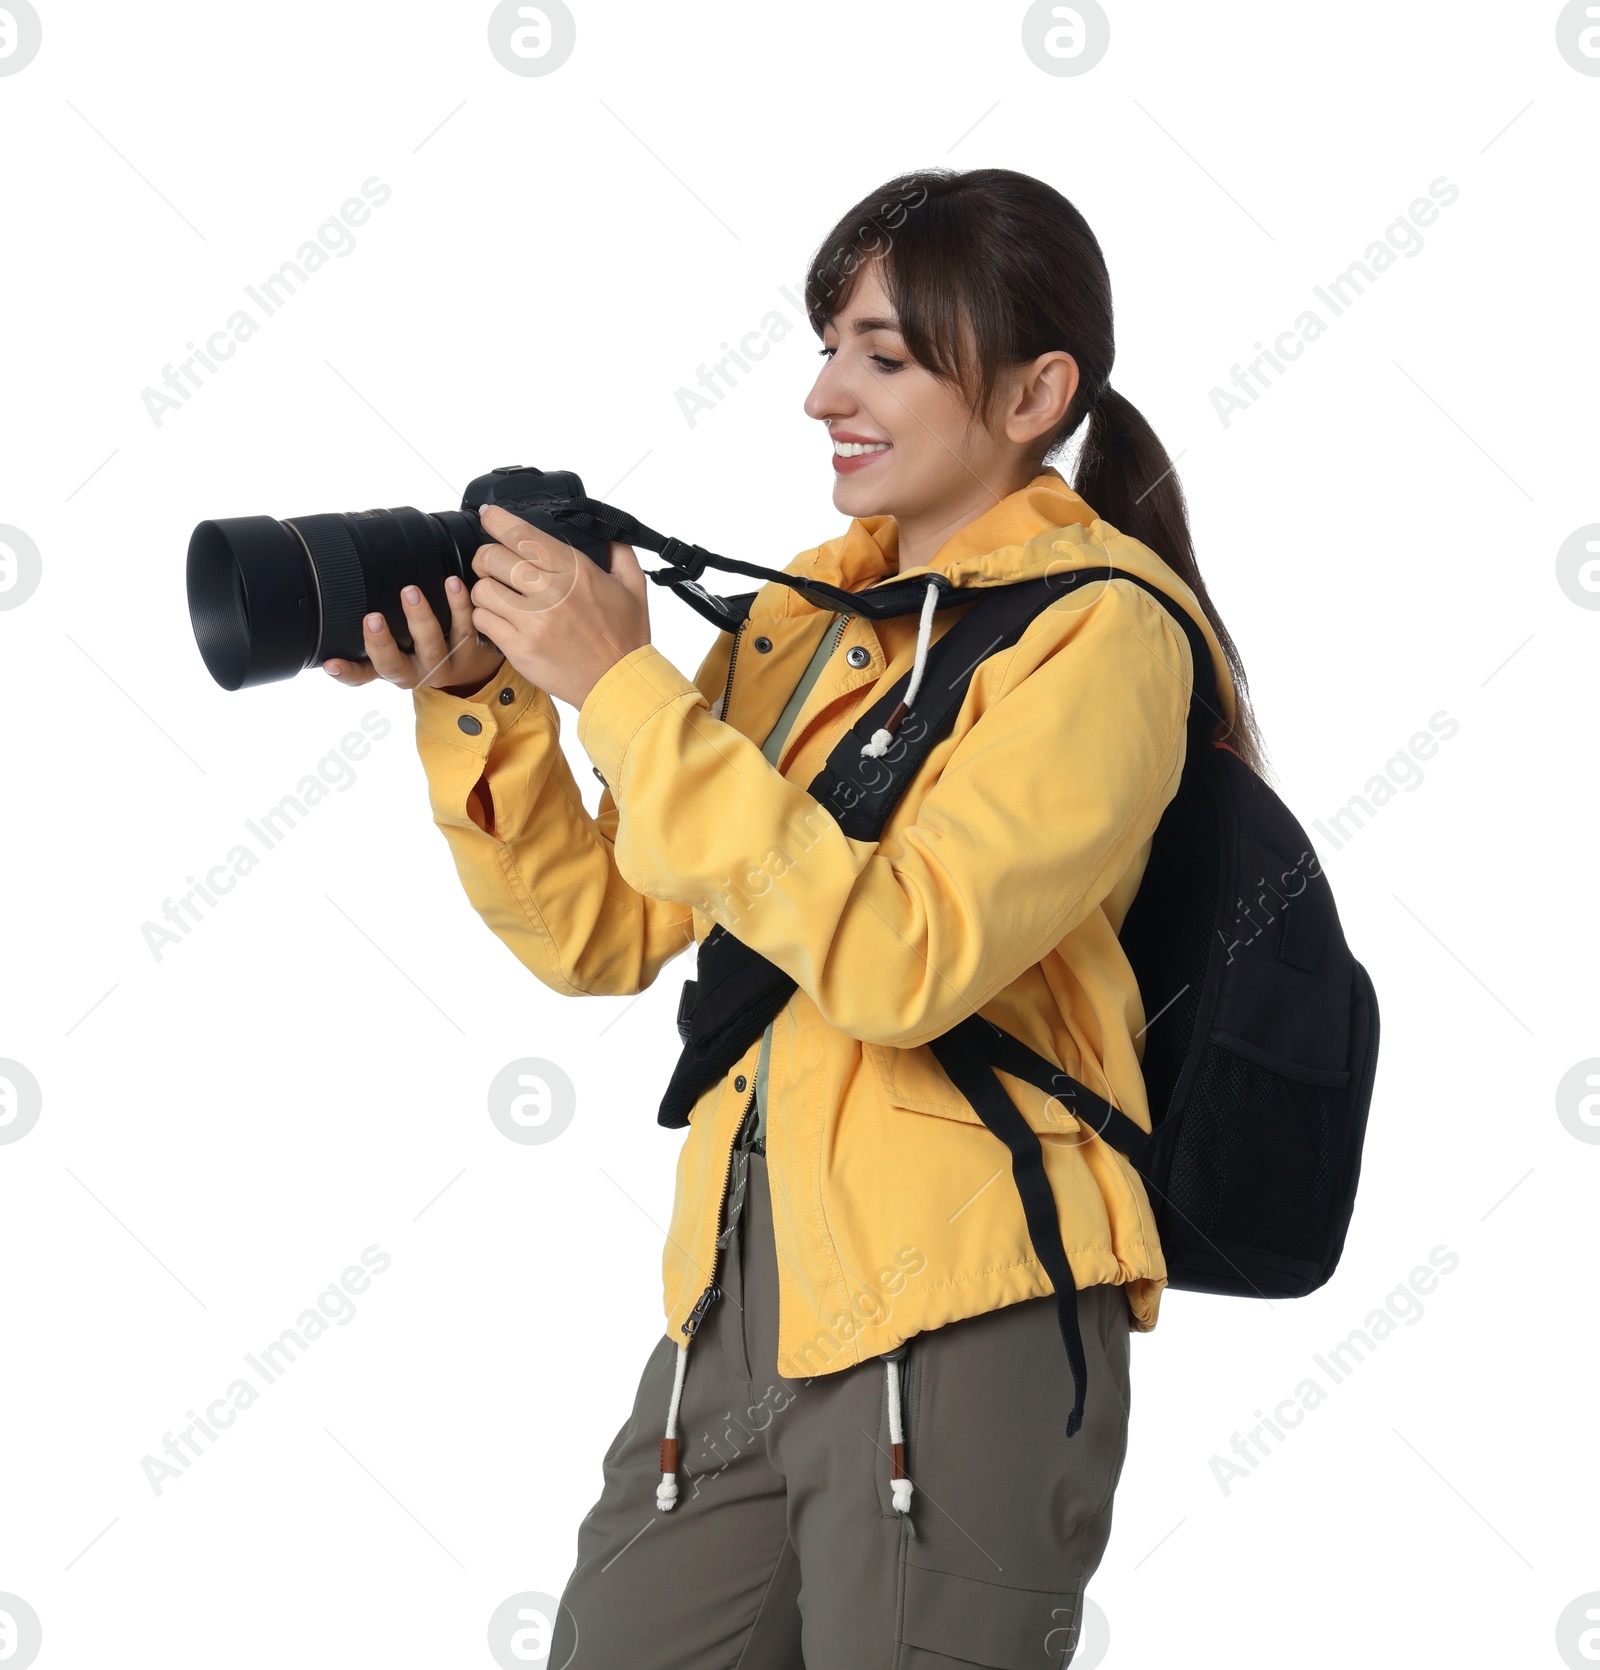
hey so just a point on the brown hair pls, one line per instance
(988, 269)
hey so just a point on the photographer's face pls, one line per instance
(916, 447)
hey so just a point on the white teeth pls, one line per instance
(854, 449)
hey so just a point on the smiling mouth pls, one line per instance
(850, 456)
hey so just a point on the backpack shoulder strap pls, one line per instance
(959, 1052)
(862, 791)
(1000, 1050)
(736, 990)
(975, 1050)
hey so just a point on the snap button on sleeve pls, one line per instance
(469, 724)
(858, 655)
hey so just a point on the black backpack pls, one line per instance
(1261, 1032)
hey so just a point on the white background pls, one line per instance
(225, 1128)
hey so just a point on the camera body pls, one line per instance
(269, 598)
(539, 497)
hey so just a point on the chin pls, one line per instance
(855, 498)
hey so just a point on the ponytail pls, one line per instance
(1124, 474)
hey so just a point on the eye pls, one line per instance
(884, 362)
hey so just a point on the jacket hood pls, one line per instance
(1040, 529)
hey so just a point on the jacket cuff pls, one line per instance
(624, 699)
(473, 722)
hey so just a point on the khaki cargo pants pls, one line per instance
(785, 1548)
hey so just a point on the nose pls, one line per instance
(829, 396)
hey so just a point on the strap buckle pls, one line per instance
(686, 1002)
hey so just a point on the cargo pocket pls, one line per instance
(950, 1620)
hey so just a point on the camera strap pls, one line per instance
(686, 563)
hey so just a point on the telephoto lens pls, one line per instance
(269, 598)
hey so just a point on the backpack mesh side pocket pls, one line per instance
(1256, 1171)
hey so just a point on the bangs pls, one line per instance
(932, 252)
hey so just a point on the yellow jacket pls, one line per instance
(999, 885)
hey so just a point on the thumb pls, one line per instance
(625, 567)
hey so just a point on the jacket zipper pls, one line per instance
(691, 1323)
(733, 655)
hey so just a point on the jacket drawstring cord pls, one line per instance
(879, 745)
(899, 1485)
(667, 1490)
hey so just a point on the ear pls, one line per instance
(1043, 391)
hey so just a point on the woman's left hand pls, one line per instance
(561, 620)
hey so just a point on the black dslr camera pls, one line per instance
(268, 599)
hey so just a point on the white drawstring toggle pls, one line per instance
(667, 1490)
(881, 738)
(899, 1484)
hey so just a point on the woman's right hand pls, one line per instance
(461, 666)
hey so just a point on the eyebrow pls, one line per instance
(862, 326)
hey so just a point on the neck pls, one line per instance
(921, 534)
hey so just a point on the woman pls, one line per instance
(861, 1383)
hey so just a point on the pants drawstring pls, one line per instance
(667, 1490)
(738, 1177)
(899, 1485)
